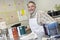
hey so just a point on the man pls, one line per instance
(33, 20)
(31, 8)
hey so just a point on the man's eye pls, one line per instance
(28, 7)
(32, 6)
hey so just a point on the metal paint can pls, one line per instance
(15, 33)
(22, 30)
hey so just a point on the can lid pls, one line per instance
(16, 25)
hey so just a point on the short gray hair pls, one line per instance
(31, 2)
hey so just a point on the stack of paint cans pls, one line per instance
(16, 31)
(22, 30)
(13, 32)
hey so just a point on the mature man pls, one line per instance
(33, 20)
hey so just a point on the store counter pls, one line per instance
(31, 36)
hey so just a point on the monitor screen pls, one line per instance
(54, 13)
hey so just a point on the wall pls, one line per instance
(46, 5)
(8, 11)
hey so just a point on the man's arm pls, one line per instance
(28, 30)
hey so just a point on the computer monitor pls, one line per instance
(53, 13)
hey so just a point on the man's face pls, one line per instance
(31, 7)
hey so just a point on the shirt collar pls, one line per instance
(34, 14)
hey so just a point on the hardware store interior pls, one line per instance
(29, 19)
